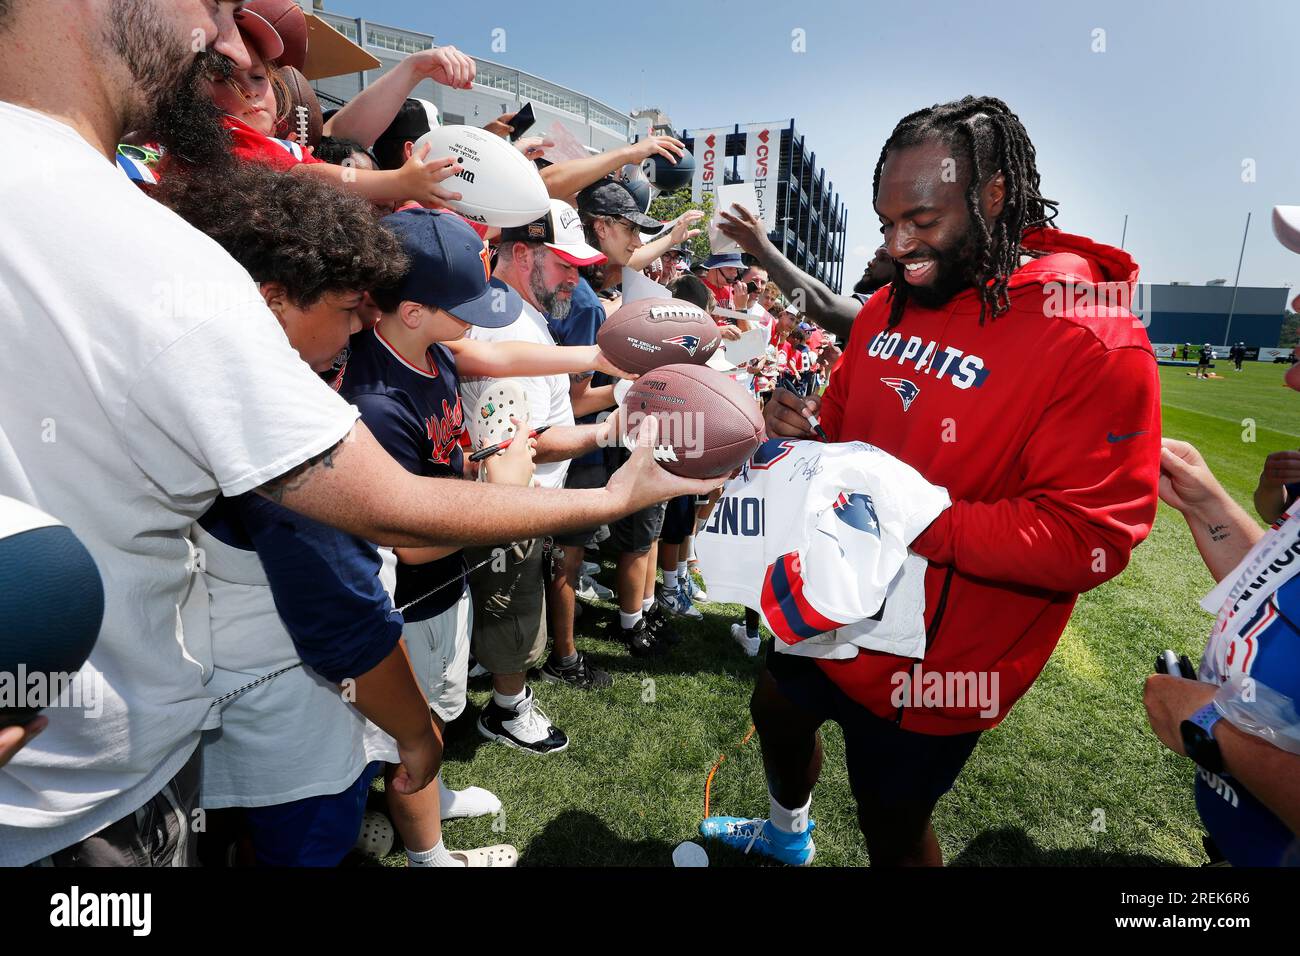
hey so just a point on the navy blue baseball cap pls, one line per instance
(450, 269)
(725, 260)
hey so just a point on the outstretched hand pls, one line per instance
(743, 228)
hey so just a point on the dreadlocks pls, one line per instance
(991, 139)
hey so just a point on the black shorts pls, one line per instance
(679, 520)
(638, 532)
(582, 476)
(887, 766)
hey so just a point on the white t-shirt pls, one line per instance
(141, 374)
(548, 395)
(294, 736)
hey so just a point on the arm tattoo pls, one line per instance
(1219, 532)
(295, 478)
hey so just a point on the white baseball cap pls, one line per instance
(560, 230)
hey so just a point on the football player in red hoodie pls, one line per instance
(1003, 364)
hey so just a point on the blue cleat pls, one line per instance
(761, 837)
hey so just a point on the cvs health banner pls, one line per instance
(762, 158)
(710, 154)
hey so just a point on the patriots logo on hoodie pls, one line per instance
(688, 342)
(906, 390)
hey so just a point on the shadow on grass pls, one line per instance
(1009, 846)
(461, 739)
(706, 646)
(579, 838)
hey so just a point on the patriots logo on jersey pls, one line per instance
(857, 511)
(688, 342)
(767, 455)
(906, 390)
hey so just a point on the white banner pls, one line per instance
(762, 152)
(710, 155)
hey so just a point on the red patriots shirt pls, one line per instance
(1044, 426)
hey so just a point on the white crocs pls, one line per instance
(376, 837)
(503, 854)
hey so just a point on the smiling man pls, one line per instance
(991, 368)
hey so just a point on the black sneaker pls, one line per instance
(641, 642)
(524, 728)
(579, 674)
(657, 623)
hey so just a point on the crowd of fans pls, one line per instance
(332, 564)
(395, 302)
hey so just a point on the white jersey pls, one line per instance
(814, 537)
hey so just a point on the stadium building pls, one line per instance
(811, 222)
(497, 88)
(1178, 313)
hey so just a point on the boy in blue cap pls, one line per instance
(403, 377)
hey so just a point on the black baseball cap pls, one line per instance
(449, 269)
(611, 198)
(415, 118)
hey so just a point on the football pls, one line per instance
(290, 22)
(667, 175)
(304, 109)
(708, 424)
(51, 604)
(498, 186)
(649, 333)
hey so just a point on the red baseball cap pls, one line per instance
(260, 34)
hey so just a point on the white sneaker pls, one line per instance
(524, 728)
(750, 644)
(589, 589)
(693, 590)
(590, 568)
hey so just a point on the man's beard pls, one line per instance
(173, 102)
(867, 285)
(555, 306)
(954, 272)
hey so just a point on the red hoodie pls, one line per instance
(1044, 426)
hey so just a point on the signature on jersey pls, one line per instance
(806, 468)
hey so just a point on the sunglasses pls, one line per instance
(141, 154)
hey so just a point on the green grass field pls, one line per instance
(631, 785)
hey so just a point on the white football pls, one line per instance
(498, 185)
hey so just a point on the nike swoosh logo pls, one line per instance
(1113, 438)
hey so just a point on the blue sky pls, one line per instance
(1157, 126)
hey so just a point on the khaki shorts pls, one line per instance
(439, 652)
(509, 607)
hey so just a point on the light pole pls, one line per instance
(1227, 332)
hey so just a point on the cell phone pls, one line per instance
(523, 122)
